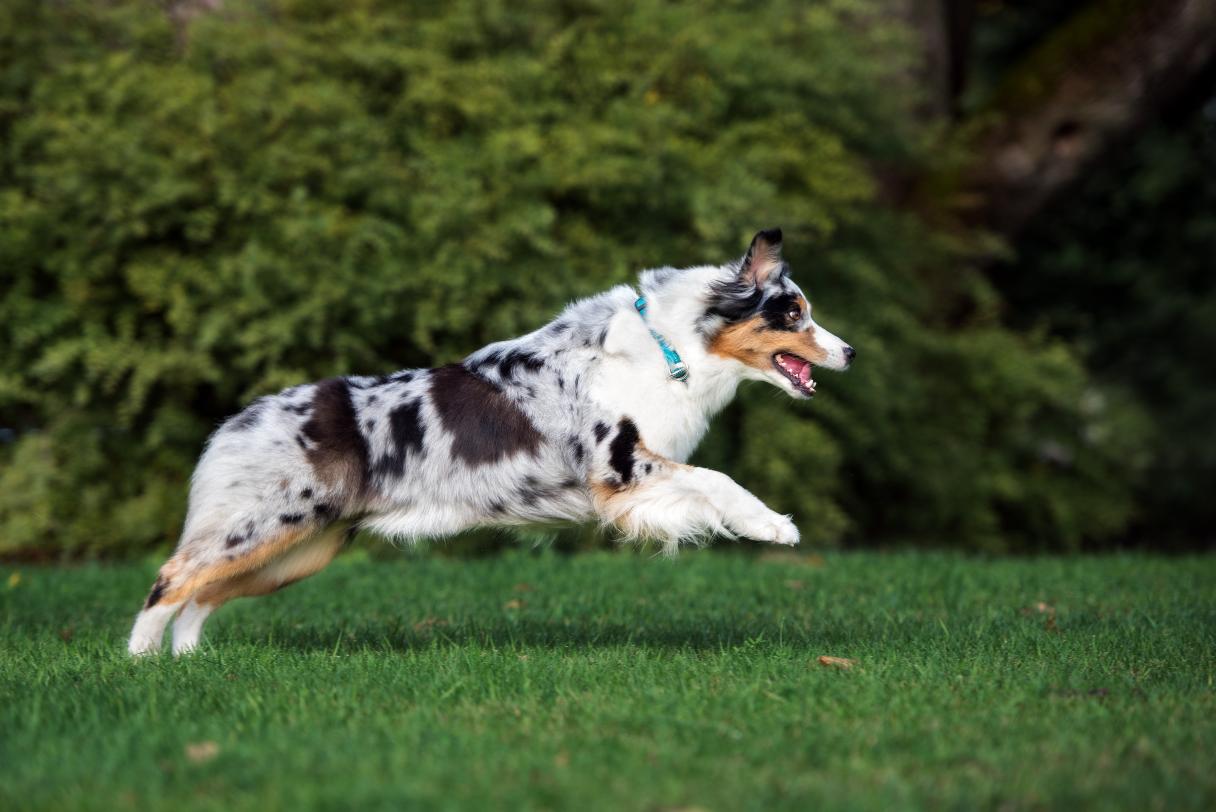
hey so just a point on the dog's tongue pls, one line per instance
(797, 365)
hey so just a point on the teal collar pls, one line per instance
(676, 368)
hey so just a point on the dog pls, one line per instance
(591, 416)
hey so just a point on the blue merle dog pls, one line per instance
(591, 416)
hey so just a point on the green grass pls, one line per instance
(621, 682)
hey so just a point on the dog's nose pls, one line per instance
(849, 354)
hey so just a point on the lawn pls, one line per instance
(619, 681)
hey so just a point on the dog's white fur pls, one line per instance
(579, 419)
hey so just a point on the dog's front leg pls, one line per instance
(648, 496)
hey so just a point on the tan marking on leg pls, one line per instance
(611, 501)
(194, 579)
(306, 558)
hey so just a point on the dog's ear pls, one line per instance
(763, 259)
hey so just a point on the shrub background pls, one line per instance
(193, 214)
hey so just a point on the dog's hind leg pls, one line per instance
(188, 627)
(163, 602)
(307, 557)
(203, 559)
(150, 624)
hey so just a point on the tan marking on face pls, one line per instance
(754, 343)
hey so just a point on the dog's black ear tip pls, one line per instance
(772, 236)
(768, 240)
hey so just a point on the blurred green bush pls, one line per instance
(195, 214)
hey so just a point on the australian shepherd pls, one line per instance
(591, 416)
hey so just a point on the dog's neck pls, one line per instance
(672, 415)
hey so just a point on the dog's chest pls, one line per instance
(671, 416)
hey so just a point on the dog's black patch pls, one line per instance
(734, 300)
(648, 468)
(603, 337)
(774, 311)
(620, 450)
(560, 327)
(297, 408)
(518, 358)
(158, 591)
(488, 360)
(306, 493)
(401, 377)
(371, 399)
(601, 431)
(339, 452)
(235, 540)
(248, 417)
(405, 434)
(485, 425)
(497, 508)
(322, 510)
(577, 448)
(369, 424)
(291, 518)
(300, 442)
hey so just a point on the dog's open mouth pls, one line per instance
(798, 370)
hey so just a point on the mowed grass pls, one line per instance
(618, 681)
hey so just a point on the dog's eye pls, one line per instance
(794, 313)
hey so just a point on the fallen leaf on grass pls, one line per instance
(837, 662)
(13, 580)
(202, 752)
(1044, 609)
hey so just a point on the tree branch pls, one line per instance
(1108, 71)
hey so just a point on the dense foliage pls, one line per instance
(194, 211)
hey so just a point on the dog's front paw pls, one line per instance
(773, 528)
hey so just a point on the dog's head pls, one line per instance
(758, 317)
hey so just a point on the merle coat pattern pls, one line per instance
(577, 420)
